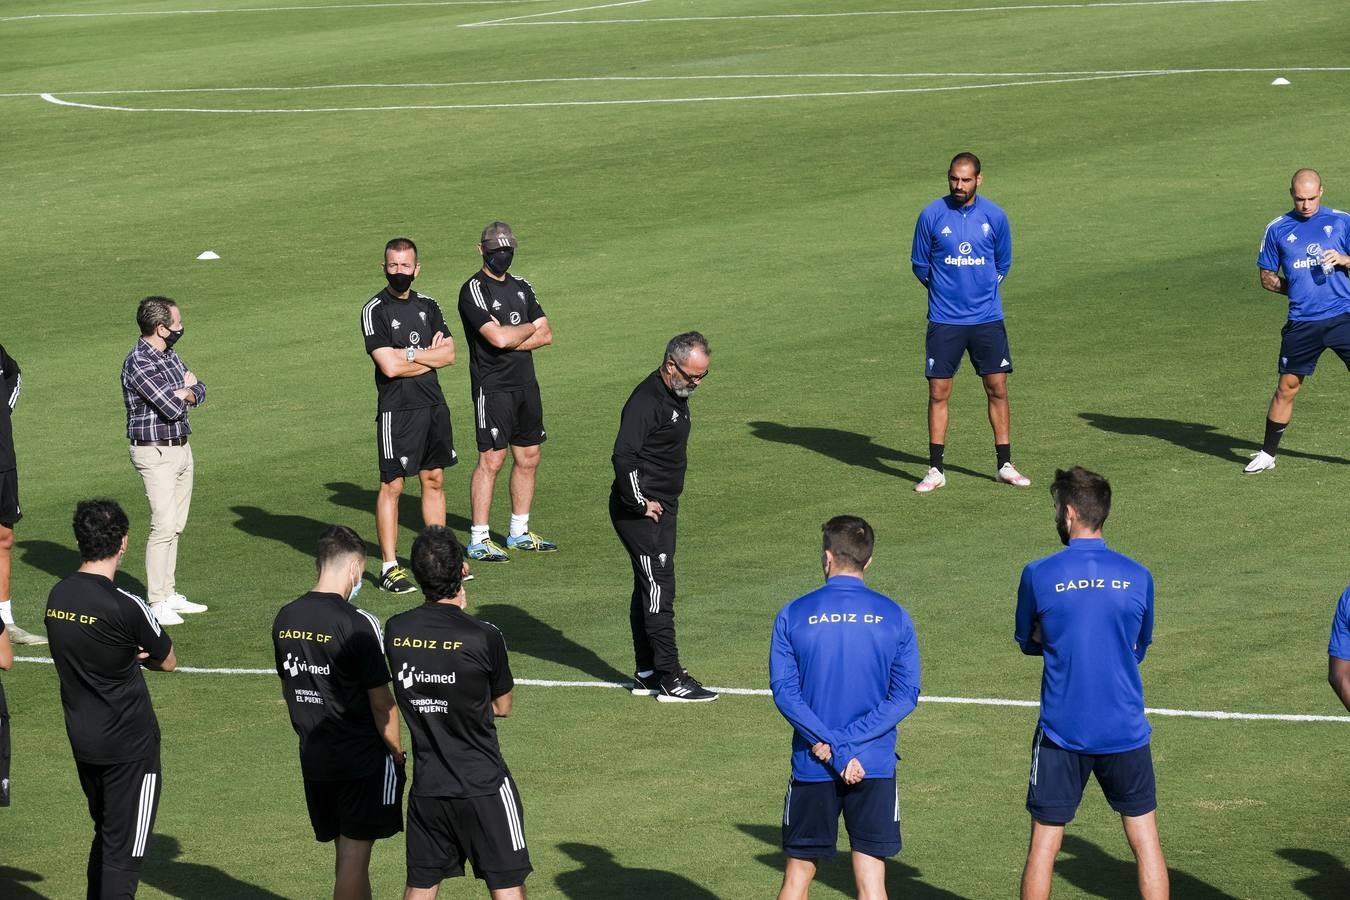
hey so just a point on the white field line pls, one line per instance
(1026, 7)
(557, 12)
(257, 9)
(764, 692)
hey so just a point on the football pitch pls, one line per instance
(751, 169)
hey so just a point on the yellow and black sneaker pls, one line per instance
(397, 581)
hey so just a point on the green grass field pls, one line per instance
(1139, 149)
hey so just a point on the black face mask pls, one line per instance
(172, 338)
(399, 282)
(499, 260)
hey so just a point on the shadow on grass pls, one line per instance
(901, 880)
(353, 496)
(601, 877)
(14, 883)
(165, 872)
(851, 448)
(1195, 436)
(1331, 879)
(1090, 869)
(300, 533)
(527, 634)
(58, 561)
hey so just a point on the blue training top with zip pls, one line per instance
(962, 254)
(1294, 245)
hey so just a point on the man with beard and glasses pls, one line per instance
(962, 252)
(408, 340)
(1089, 612)
(650, 457)
(503, 323)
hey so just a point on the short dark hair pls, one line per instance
(438, 562)
(336, 542)
(154, 312)
(850, 539)
(100, 526)
(965, 158)
(400, 243)
(680, 346)
(1087, 492)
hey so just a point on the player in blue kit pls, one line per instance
(844, 669)
(1338, 651)
(1088, 611)
(962, 252)
(1311, 246)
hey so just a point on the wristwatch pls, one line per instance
(411, 353)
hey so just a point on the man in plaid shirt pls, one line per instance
(158, 390)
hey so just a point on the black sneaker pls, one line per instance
(397, 581)
(646, 687)
(684, 688)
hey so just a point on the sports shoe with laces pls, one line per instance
(397, 581)
(486, 551)
(530, 541)
(19, 636)
(646, 687)
(1261, 460)
(183, 606)
(165, 615)
(684, 688)
(1008, 474)
(931, 482)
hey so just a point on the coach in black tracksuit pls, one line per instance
(649, 463)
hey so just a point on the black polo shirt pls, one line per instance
(387, 321)
(510, 302)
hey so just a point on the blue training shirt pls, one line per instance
(1291, 245)
(961, 254)
(1340, 629)
(1094, 607)
(844, 669)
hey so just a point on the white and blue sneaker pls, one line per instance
(530, 541)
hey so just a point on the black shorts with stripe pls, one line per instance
(9, 497)
(503, 418)
(871, 810)
(123, 799)
(489, 832)
(408, 441)
(363, 809)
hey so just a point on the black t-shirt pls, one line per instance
(651, 449)
(328, 656)
(510, 302)
(96, 631)
(387, 321)
(448, 667)
(9, 395)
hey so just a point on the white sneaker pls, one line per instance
(1261, 460)
(165, 614)
(19, 636)
(931, 482)
(1008, 474)
(183, 606)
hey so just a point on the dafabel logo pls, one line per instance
(294, 665)
(1314, 257)
(964, 259)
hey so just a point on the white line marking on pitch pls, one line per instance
(257, 9)
(1100, 4)
(556, 12)
(764, 692)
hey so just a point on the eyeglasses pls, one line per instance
(696, 379)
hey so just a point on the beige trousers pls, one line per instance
(167, 473)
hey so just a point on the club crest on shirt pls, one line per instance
(984, 227)
(521, 294)
(423, 314)
(1327, 229)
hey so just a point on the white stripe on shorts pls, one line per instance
(145, 814)
(512, 815)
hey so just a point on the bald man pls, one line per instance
(1306, 256)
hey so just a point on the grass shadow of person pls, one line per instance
(1194, 436)
(300, 533)
(165, 872)
(14, 884)
(902, 880)
(533, 637)
(58, 561)
(1331, 878)
(602, 877)
(353, 496)
(851, 448)
(1093, 871)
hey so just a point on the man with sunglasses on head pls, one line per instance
(650, 457)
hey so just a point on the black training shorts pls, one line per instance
(363, 809)
(411, 440)
(508, 417)
(489, 832)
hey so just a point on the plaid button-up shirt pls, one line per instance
(149, 379)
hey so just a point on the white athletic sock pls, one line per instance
(6, 612)
(520, 524)
(647, 674)
(388, 564)
(478, 534)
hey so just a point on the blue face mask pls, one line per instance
(356, 589)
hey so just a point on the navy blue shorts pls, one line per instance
(1058, 777)
(1301, 343)
(986, 343)
(871, 811)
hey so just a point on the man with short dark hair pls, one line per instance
(650, 458)
(962, 252)
(336, 686)
(844, 670)
(453, 679)
(1310, 244)
(503, 323)
(101, 636)
(1088, 611)
(158, 389)
(11, 382)
(408, 340)
(1338, 650)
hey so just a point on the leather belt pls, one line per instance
(171, 442)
